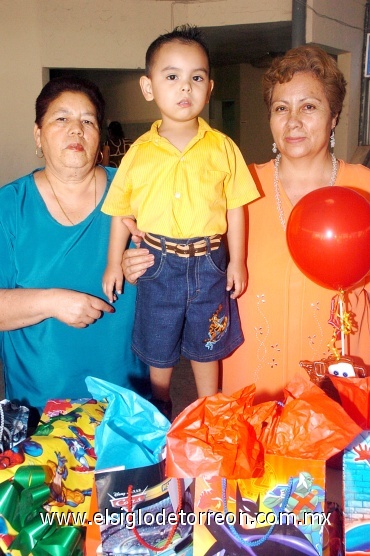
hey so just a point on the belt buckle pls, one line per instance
(185, 250)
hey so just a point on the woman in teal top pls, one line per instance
(57, 329)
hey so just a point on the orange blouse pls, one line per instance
(285, 315)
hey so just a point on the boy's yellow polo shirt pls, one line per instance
(181, 194)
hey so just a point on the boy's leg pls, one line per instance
(206, 377)
(160, 380)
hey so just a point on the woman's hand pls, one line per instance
(25, 307)
(78, 309)
(135, 262)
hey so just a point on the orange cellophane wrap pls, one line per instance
(226, 436)
(310, 425)
(212, 436)
(355, 397)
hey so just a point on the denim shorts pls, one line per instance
(182, 307)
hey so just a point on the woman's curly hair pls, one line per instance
(307, 59)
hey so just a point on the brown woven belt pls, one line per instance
(195, 249)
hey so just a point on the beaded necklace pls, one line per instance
(279, 205)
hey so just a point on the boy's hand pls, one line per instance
(112, 281)
(136, 234)
(236, 278)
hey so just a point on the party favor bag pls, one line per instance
(143, 511)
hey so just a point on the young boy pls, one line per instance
(185, 184)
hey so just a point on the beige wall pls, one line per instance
(114, 34)
(255, 135)
(21, 81)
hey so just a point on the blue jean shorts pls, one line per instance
(182, 307)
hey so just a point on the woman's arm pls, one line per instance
(236, 271)
(25, 307)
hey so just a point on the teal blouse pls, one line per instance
(51, 359)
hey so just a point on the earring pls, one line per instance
(274, 148)
(332, 139)
(41, 153)
(99, 158)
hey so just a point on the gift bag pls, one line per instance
(213, 436)
(355, 397)
(280, 511)
(244, 515)
(143, 511)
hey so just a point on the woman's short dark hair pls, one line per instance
(309, 59)
(59, 85)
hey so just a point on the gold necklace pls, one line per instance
(57, 200)
(278, 201)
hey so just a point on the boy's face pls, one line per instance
(179, 81)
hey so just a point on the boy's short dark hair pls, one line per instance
(183, 33)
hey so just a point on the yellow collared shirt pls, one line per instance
(181, 194)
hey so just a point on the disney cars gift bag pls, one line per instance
(144, 512)
(141, 510)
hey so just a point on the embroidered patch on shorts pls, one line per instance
(217, 328)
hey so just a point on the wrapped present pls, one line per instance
(25, 527)
(63, 444)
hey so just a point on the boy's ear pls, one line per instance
(211, 85)
(146, 87)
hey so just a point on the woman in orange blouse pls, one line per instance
(285, 315)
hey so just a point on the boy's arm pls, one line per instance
(236, 271)
(113, 275)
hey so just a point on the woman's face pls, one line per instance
(70, 133)
(301, 120)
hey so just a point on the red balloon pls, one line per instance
(328, 235)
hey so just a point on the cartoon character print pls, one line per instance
(217, 328)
